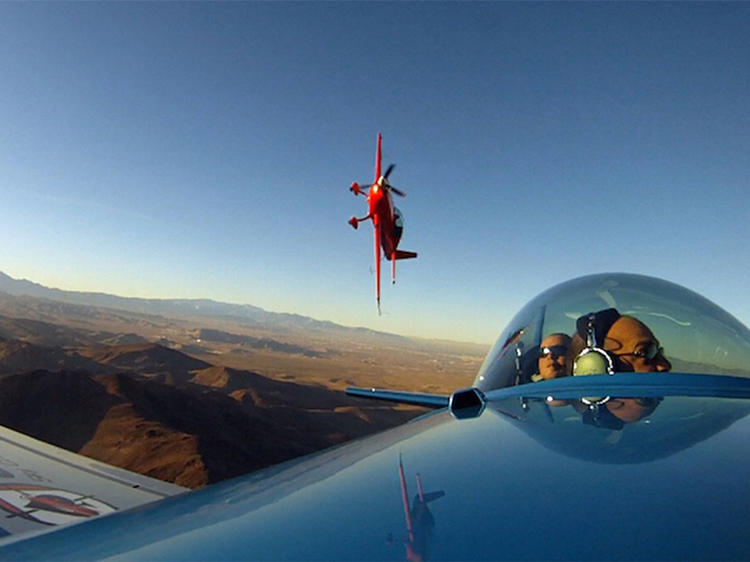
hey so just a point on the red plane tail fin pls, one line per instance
(404, 255)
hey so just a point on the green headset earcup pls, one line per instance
(591, 362)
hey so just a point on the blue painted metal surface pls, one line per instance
(523, 480)
(415, 398)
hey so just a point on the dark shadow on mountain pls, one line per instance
(236, 436)
(156, 361)
(63, 408)
(207, 334)
(21, 357)
(44, 333)
(232, 439)
(267, 392)
(124, 339)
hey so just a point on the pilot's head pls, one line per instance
(554, 356)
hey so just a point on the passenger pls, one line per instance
(616, 412)
(555, 359)
(631, 410)
(631, 347)
(630, 344)
(635, 347)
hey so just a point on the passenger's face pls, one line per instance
(553, 361)
(635, 347)
(631, 410)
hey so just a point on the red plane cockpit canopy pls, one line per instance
(642, 323)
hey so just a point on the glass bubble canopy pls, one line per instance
(686, 332)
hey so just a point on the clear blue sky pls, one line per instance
(205, 150)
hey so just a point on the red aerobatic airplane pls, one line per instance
(387, 220)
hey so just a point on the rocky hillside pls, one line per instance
(159, 412)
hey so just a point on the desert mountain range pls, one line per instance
(194, 392)
(162, 413)
(187, 308)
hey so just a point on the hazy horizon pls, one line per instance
(177, 298)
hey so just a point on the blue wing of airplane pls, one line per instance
(639, 465)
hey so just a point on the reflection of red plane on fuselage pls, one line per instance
(387, 220)
(419, 519)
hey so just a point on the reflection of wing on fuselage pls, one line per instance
(574, 466)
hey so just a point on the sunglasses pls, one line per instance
(649, 352)
(554, 350)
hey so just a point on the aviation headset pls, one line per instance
(593, 359)
(592, 328)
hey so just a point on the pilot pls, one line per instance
(555, 359)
